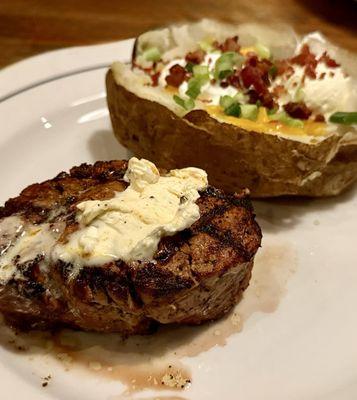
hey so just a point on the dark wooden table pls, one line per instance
(28, 27)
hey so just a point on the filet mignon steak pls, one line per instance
(195, 276)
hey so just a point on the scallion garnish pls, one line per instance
(287, 120)
(152, 54)
(249, 111)
(299, 94)
(189, 67)
(230, 106)
(201, 71)
(262, 51)
(226, 101)
(346, 118)
(240, 97)
(200, 78)
(233, 110)
(272, 111)
(225, 63)
(206, 46)
(273, 70)
(187, 104)
(193, 87)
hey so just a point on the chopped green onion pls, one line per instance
(179, 101)
(272, 111)
(285, 119)
(194, 88)
(273, 71)
(249, 111)
(195, 83)
(206, 46)
(234, 110)
(297, 123)
(299, 94)
(239, 97)
(189, 66)
(187, 104)
(230, 106)
(200, 77)
(226, 101)
(152, 54)
(201, 70)
(262, 51)
(225, 63)
(347, 118)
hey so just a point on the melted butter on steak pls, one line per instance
(21, 242)
(130, 225)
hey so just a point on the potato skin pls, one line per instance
(233, 157)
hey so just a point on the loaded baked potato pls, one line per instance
(254, 107)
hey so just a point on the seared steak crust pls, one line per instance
(196, 275)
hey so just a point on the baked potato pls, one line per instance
(255, 107)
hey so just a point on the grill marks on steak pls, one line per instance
(183, 283)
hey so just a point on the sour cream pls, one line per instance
(331, 91)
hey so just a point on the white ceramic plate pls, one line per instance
(298, 339)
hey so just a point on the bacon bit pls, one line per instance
(213, 81)
(224, 84)
(319, 118)
(195, 57)
(263, 66)
(252, 59)
(176, 76)
(305, 57)
(330, 62)
(310, 71)
(266, 99)
(234, 80)
(298, 110)
(256, 74)
(155, 78)
(284, 68)
(230, 44)
(253, 96)
(331, 74)
(279, 90)
(322, 76)
(252, 77)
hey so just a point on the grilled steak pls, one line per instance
(195, 276)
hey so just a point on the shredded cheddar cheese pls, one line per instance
(264, 125)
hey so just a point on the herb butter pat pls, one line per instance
(130, 225)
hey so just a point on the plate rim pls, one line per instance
(23, 386)
(32, 71)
